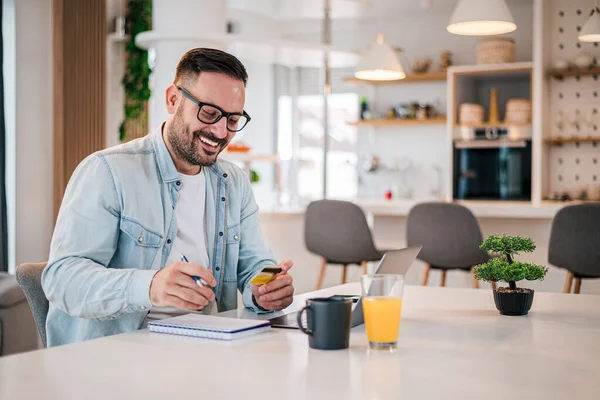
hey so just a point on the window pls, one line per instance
(301, 149)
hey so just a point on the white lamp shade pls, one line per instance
(591, 30)
(379, 63)
(481, 18)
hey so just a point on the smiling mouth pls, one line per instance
(208, 144)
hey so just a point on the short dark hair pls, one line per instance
(204, 59)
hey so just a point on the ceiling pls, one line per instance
(346, 9)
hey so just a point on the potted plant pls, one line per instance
(509, 300)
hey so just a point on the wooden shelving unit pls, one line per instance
(399, 122)
(561, 141)
(424, 77)
(563, 73)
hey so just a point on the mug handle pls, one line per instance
(299, 321)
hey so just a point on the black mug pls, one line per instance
(328, 321)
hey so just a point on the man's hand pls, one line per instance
(277, 294)
(174, 286)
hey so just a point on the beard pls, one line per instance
(187, 146)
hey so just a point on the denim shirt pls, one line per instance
(116, 227)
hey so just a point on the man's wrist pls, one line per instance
(258, 305)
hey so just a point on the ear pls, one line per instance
(171, 99)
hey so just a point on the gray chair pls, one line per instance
(338, 232)
(450, 236)
(575, 243)
(29, 277)
(17, 328)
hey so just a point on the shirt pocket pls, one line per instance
(139, 244)
(232, 253)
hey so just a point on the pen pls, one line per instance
(201, 282)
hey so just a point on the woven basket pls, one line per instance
(518, 111)
(495, 50)
(470, 114)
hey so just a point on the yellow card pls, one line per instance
(265, 276)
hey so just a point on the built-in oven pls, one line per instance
(492, 166)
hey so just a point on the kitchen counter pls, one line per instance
(481, 209)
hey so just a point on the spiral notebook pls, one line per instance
(209, 326)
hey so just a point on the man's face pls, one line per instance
(195, 142)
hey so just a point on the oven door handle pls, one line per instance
(490, 144)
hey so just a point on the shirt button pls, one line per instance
(168, 241)
(224, 175)
(141, 239)
(218, 268)
(112, 317)
(142, 308)
(178, 183)
(236, 237)
(222, 198)
(220, 233)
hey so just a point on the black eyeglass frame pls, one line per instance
(224, 113)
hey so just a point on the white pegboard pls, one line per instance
(574, 104)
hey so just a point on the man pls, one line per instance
(131, 213)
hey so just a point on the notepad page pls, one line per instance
(212, 323)
(209, 334)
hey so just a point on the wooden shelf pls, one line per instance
(562, 73)
(561, 141)
(399, 122)
(424, 77)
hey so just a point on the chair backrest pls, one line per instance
(449, 234)
(338, 231)
(29, 277)
(575, 240)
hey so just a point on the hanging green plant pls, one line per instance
(137, 70)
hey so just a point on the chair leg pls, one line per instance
(364, 267)
(344, 271)
(443, 278)
(568, 282)
(426, 275)
(475, 281)
(493, 285)
(577, 287)
(321, 274)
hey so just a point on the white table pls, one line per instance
(453, 345)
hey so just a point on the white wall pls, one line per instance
(34, 126)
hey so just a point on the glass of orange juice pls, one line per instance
(382, 308)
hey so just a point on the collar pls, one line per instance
(166, 166)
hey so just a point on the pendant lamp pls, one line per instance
(481, 18)
(591, 30)
(379, 63)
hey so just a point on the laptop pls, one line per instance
(393, 262)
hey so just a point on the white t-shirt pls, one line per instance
(191, 237)
(191, 229)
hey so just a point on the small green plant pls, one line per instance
(137, 72)
(503, 267)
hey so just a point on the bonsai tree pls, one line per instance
(503, 267)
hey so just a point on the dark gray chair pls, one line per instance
(575, 243)
(450, 236)
(338, 232)
(29, 277)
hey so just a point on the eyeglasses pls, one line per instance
(211, 114)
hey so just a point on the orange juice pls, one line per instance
(382, 318)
